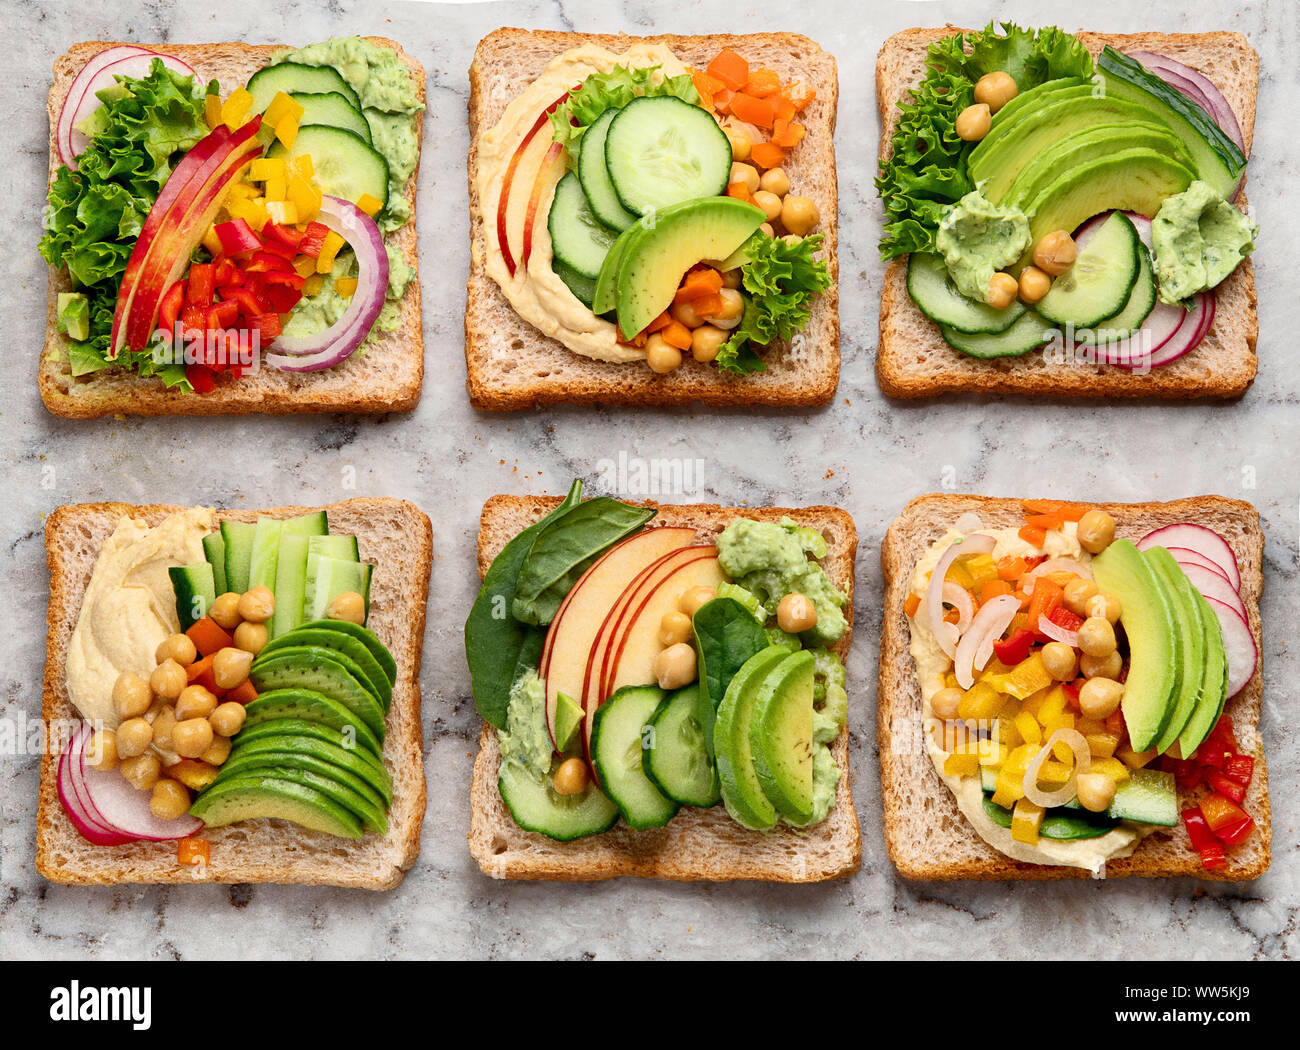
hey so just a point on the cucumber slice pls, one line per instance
(662, 150)
(537, 806)
(333, 109)
(578, 240)
(239, 537)
(290, 584)
(214, 549)
(1029, 333)
(594, 176)
(1061, 823)
(195, 589)
(617, 738)
(680, 759)
(294, 78)
(1099, 283)
(937, 297)
(266, 552)
(345, 165)
(583, 288)
(1148, 796)
(1141, 301)
(327, 578)
(342, 547)
(314, 523)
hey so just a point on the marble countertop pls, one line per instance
(864, 453)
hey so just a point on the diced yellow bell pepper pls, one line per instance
(1028, 728)
(212, 242)
(252, 211)
(1051, 709)
(1134, 759)
(329, 249)
(993, 668)
(992, 753)
(1111, 767)
(1008, 734)
(313, 284)
(1102, 745)
(347, 287)
(950, 681)
(1008, 788)
(264, 168)
(305, 196)
(282, 213)
(275, 188)
(981, 568)
(1088, 726)
(243, 191)
(286, 131)
(957, 574)
(234, 111)
(212, 111)
(1026, 679)
(1053, 772)
(1026, 819)
(1063, 751)
(961, 765)
(302, 165)
(981, 702)
(369, 204)
(281, 106)
(1018, 761)
(304, 266)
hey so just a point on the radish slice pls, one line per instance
(1189, 557)
(976, 646)
(1197, 538)
(127, 809)
(1186, 341)
(945, 633)
(1243, 655)
(63, 133)
(1212, 585)
(74, 803)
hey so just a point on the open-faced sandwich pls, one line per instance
(230, 228)
(1063, 213)
(653, 220)
(233, 696)
(663, 691)
(1071, 690)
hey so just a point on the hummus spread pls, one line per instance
(537, 294)
(931, 666)
(129, 607)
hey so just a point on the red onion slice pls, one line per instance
(1062, 795)
(976, 646)
(947, 639)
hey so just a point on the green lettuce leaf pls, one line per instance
(612, 90)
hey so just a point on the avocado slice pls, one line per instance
(302, 728)
(742, 793)
(309, 705)
(254, 798)
(325, 671)
(1191, 643)
(1147, 616)
(338, 785)
(568, 716)
(373, 676)
(780, 737)
(1047, 91)
(1214, 689)
(366, 637)
(353, 762)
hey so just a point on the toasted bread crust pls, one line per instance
(387, 378)
(912, 359)
(927, 836)
(511, 365)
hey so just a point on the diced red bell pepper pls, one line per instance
(1066, 620)
(282, 240)
(1226, 787)
(249, 304)
(266, 325)
(1240, 768)
(313, 239)
(278, 299)
(201, 378)
(170, 307)
(227, 275)
(1016, 648)
(223, 315)
(268, 262)
(194, 318)
(237, 237)
(1210, 849)
(1235, 834)
(201, 283)
(1219, 746)
(283, 280)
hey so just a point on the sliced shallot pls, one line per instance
(976, 646)
(1082, 760)
(947, 638)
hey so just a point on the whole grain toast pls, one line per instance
(511, 365)
(387, 377)
(927, 836)
(698, 844)
(912, 359)
(394, 534)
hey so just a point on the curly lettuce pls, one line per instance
(93, 215)
(612, 90)
(926, 171)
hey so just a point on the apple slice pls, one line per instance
(516, 159)
(577, 622)
(548, 176)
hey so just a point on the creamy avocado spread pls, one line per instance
(977, 239)
(525, 741)
(1199, 238)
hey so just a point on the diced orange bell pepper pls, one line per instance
(757, 111)
(801, 101)
(783, 108)
(993, 589)
(1033, 535)
(767, 155)
(763, 83)
(699, 283)
(208, 636)
(678, 335)
(912, 604)
(1011, 568)
(787, 135)
(710, 305)
(659, 323)
(1047, 522)
(730, 68)
(244, 693)
(740, 191)
(722, 100)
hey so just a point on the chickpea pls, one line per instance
(795, 613)
(102, 752)
(217, 754)
(1101, 666)
(1002, 291)
(995, 90)
(706, 341)
(195, 702)
(675, 627)
(733, 308)
(770, 203)
(192, 737)
(944, 702)
(142, 771)
(131, 696)
(168, 680)
(230, 668)
(1096, 791)
(1059, 661)
(133, 738)
(691, 600)
(170, 799)
(731, 278)
(792, 238)
(775, 180)
(746, 173)
(1100, 697)
(225, 610)
(766, 230)
(973, 122)
(349, 607)
(571, 778)
(661, 355)
(675, 666)
(685, 313)
(1106, 606)
(178, 647)
(1096, 531)
(257, 605)
(1077, 594)
(1055, 252)
(163, 724)
(228, 718)
(1097, 637)
(799, 214)
(1034, 284)
(741, 143)
(252, 637)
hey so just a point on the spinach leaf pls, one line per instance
(726, 635)
(564, 549)
(497, 647)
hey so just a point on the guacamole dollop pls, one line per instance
(772, 560)
(525, 740)
(977, 238)
(1199, 238)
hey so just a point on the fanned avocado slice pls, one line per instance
(338, 785)
(254, 798)
(355, 763)
(373, 676)
(309, 705)
(366, 637)
(325, 671)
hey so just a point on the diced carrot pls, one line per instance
(801, 101)
(1046, 522)
(1033, 535)
(190, 852)
(706, 86)
(710, 305)
(678, 335)
(1011, 568)
(740, 191)
(783, 108)
(659, 323)
(1073, 511)
(208, 636)
(244, 693)
(1041, 506)
(1021, 597)
(1046, 597)
(699, 283)
(722, 100)
(730, 68)
(767, 155)
(787, 135)
(912, 604)
(763, 83)
(993, 589)
(201, 673)
(751, 110)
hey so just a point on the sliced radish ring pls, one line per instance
(125, 808)
(1184, 556)
(1239, 643)
(1199, 538)
(75, 803)
(1212, 585)
(71, 101)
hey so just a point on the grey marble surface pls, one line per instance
(863, 453)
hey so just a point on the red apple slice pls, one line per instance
(573, 632)
(548, 175)
(503, 202)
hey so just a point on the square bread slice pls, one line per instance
(387, 377)
(394, 535)
(927, 836)
(912, 359)
(698, 845)
(511, 365)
